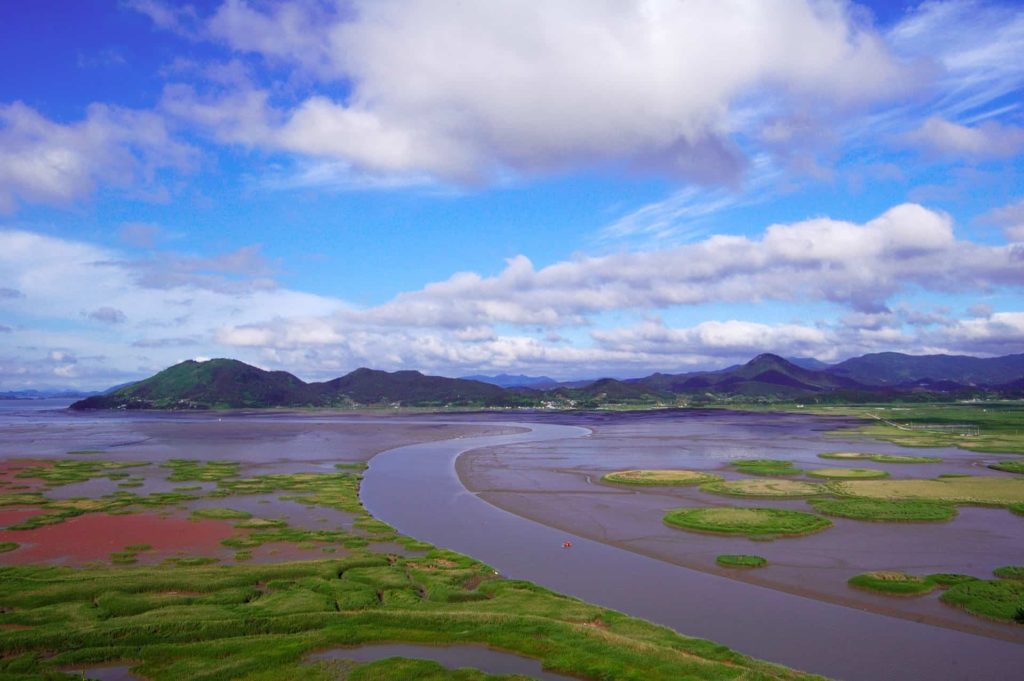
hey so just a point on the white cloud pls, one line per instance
(48, 162)
(731, 338)
(178, 18)
(859, 266)
(228, 305)
(977, 46)
(990, 139)
(465, 91)
(144, 316)
(1011, 218)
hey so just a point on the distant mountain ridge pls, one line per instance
(515, 380)
(229, 383)
(893, 368)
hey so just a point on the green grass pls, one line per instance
(1016, 508)
(980, 490)
(945, 580)
(68, 471)
(749, 522)
(221, 514)
(660, 477)
(997, 599)
(189, 618)
(6, 546)
(881, 510)
(881, 458)
(741, 560)
(1013, 466)
(259, 621)
(765, 467)
(190, 469)
(1000, 424)
(1010, 572)
(848, 473)
(760, 487)
(21, 499)
(892, 583)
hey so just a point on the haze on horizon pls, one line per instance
(570, 188)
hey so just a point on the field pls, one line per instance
(990, 427)
(985, 491)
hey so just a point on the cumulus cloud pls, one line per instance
(990, 139)
(465, 91)
(48, 162)
(859, 266)
(143, 316)
(998, 333)
(215, 305)
(731, 338)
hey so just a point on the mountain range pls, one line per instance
(229, 383)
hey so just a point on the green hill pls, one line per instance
(230, 384)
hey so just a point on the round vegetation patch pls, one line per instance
(748, 522)
(739, 560)
(893, 583)
(661, 477)
(884, 511)
(881, 458)
(1010, 572)
(848, 473)
(944, 580)
(1001, 599)
(759, 487)
(766, 467)
(1015, 466)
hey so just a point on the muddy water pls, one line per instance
(558, 483)
(827, 638)
(453, 657)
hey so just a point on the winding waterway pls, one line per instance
(416, 489)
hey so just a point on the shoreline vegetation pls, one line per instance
(1000, 599)
(191, 618)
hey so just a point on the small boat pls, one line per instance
(567, 545)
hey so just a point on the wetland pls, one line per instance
(325, 531)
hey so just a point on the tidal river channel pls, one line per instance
(417, 490)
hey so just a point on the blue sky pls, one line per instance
(573, 188)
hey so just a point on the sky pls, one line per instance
(572, 188)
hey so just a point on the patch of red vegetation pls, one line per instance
(9, 469)
(95, 536)
(13, 516)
